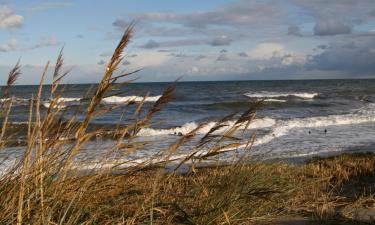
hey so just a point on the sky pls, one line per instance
(195, 40)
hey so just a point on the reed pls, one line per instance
(46, 186)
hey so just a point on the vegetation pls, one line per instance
(47, 186)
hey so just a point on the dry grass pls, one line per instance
(45, 187)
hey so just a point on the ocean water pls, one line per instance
(298, 118)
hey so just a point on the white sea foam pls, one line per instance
(61, 102)
(188, 127)
(15, 99)
(69, 100)
(274, 100)
(58, 106)
(127, 99)
(284, 127)
(278, 95)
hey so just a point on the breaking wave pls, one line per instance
(278, 95)
(128, 99)
(365, 115)
(188, 127)
(62, 102)
(65, 102)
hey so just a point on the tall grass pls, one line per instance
(47, 185)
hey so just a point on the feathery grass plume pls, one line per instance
(13, 75)
(103, 86)
(57, 75)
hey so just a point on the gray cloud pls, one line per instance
(101, 62)
(241, 12)
(331, 27)
(221, 41)
(178, 55)
(105, 54)
(199, 57)
(242, 54)
(294, 30)
(323, 47)
(9, 20)
(222, 57)
(151, 44)
(354, 55)
(166, 50)
(125, 63)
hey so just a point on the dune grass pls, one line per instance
(47, 186)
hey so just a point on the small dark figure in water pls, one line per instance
(309, 132)
(325, 131)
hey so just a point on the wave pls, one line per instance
(284, 127)
(128, 99)
(65, 102)
(188, 127)
(274, 100)
(68, 100)
(265, 94)
(62, 102)
(14, 99)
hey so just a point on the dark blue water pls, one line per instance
(298, 117)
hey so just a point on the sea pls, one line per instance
(298, 118)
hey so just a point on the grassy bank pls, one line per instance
(45, 187)
(329, 190)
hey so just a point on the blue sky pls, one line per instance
(199, 40)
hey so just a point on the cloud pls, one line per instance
(331, 27)
(151, 44)
(323, 47)
(178, 55)
(221, 41)
(120, 23)
(101, 62)
(80, 36)
(150, 59)
(243, 54)
(352, 55)
(46, 42)
(105, 54)
(9, 46)
(220, 26)
(294, 30)
(267, 50)
(223, 51)
(125, 63)
(199, 57)
(222, 57)
(9, 20)
(49, 5)
(241, 12)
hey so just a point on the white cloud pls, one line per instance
(46, 42)
(267, 51)
(9, 46)
(146, 59)
(9, 20)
